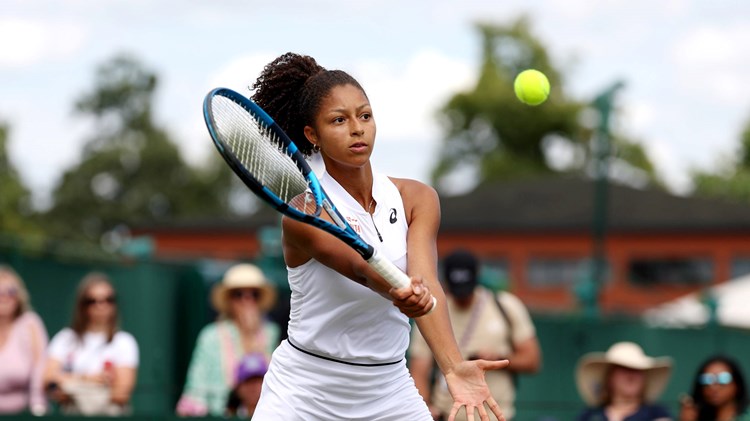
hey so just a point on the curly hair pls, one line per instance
(291, 88)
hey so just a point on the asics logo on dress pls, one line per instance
(393, 218)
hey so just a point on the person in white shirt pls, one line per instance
(92, 365)
(349, 329)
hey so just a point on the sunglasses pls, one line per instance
(707, 379)
(89, 301)
(237, 294)
(11, 292)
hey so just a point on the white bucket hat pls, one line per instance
(243, 275)
(592, 369)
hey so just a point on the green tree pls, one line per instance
(130, 170)
(488, 129)
(732, 181)
(15, 197)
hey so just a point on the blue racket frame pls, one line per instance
(341, 229)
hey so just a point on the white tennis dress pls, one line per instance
(344, 358)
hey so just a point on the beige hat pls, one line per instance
(592, 368)
(243, 275)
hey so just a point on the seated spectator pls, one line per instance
(23, 339)
(718, 393)
(92, 364)
(242, 299)
(622, 384)
(487, 325)
(248, 380)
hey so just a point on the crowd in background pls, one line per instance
(90, 367)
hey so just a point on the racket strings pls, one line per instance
(259, 150)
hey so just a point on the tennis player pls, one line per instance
(349, 330)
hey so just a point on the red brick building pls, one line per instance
(536, 235)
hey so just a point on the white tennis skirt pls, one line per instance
(306, 388)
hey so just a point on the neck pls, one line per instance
(726, 412)
(625, 401)
(357, 181)
(6, 320)
(97, 327)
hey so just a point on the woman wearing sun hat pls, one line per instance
(242, 300)
(622, 384)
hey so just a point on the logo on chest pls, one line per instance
(354, 223)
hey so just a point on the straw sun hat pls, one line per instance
(243, 275)
(592, 370)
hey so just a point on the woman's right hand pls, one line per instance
(414, 300)
(688, 410)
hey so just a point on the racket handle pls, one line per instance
(393, 274)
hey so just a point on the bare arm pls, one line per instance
(301, 242)
(527, 357)
(466, 381)
(420, 369)
(123, 384)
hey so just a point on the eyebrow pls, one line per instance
(342, 110)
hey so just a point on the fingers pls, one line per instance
(495, 408)
(454, 412)
(414, 300)
(492, 365)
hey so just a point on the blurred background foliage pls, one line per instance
(131, 171)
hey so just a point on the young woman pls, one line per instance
(348, 329)
(242, 299)
(623, 384)
(23, 339)
(92, 364)
(718, 394)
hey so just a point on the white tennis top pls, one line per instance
(335, 317)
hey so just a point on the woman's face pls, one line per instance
(718, 386)
(100, 303)
(344, 127)
(627, 383)
(8, 296)
(243, 300)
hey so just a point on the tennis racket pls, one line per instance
(270, 164)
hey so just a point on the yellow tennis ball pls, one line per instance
(532, 87)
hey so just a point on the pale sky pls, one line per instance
(685, 64)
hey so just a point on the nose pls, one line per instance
(357, 128)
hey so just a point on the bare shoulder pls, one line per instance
(415, 191)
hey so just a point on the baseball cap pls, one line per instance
(460, 272)
(250, 366)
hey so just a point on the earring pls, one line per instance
(316, 148)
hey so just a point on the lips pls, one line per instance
(359, 146)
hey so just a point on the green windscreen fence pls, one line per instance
(163, 305)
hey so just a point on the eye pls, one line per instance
(338, 120)
(366, 116)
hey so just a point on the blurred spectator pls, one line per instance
(718, 393)
(248, 380)
(23, 339)
(622, 384)
(487, 326)
(92, 364)
(242, 299)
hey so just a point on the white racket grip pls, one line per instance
(393, 274)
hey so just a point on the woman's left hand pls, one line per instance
(467, 385)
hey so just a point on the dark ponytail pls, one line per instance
(291, 88)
